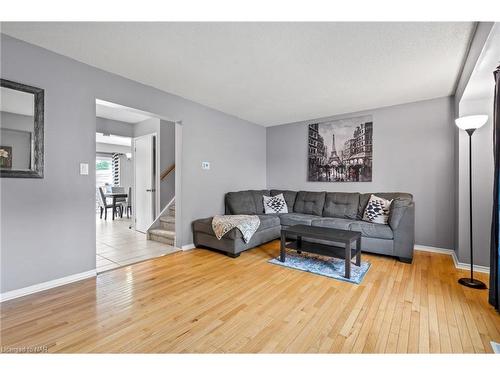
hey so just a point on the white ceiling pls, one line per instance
(270, 73)
(19, 102)
(118, 113)
(481, 83)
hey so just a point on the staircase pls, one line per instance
(166, 231)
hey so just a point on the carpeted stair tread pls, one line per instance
(162, 233)
(167, 219)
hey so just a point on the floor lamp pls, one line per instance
(470, 124)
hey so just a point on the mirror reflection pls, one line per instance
(16, 129)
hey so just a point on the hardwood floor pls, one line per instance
(201, 301)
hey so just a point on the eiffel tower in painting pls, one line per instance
(334, 159)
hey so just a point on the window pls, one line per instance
(103, 175)
(103, 171)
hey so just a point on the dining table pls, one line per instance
(114, 197)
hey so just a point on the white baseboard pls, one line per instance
(188, 247)
(46, 285)
(432, 249)
(451, 252)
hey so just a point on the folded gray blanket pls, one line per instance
(247, 224)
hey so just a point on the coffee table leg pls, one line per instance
(299, 244)
(358, 252)
(348, 260)
(282, 247)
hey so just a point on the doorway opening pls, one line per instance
(135, 186)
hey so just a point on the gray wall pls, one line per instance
(413, 152)
(478, 41)
(148, 126)
(104, 125)
(476, 46)
(62, 243)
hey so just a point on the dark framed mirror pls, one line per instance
(21, 130)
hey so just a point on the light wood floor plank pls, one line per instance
(203, 302)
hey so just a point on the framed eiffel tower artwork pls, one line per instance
(341, 150)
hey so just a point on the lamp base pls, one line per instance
(472, 283)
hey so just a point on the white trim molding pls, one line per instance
(451, 252)
(46, 285)
(188, 247)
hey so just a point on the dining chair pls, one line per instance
(103, 204)
(118, 189)
(119, 201)
(127, 205)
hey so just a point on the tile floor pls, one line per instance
(118, 246)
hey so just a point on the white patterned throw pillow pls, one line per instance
(377, 210)
(275, 205)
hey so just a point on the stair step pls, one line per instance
(162, 233)
(167, 223)
(167, 219)
(166, 241)
(167, 226)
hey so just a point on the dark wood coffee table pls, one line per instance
(345, 237)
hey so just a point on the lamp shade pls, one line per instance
(471, 122)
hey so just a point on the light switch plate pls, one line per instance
(84, 168)
(205, 165)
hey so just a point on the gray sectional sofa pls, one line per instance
(325, 209)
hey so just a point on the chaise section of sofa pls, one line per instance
(325, 209)
(232, 244)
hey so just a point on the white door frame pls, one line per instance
(178, 161)
(178, 184)
(157, 177)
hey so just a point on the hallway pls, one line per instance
(117, 245)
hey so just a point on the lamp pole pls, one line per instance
(471, 282)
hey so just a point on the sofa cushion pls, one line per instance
(297, 218)
(309, 202)
(367, 229)
(248, 202)
(205, 226)
(341, 205)
(330, 222)
(289, 197)
(372, 230)
(268, 221)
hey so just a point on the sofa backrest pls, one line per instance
(341, 205)
(247, 202)
(309, 202)
(332, 204)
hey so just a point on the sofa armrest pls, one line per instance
(397, 211)
(404, 234)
